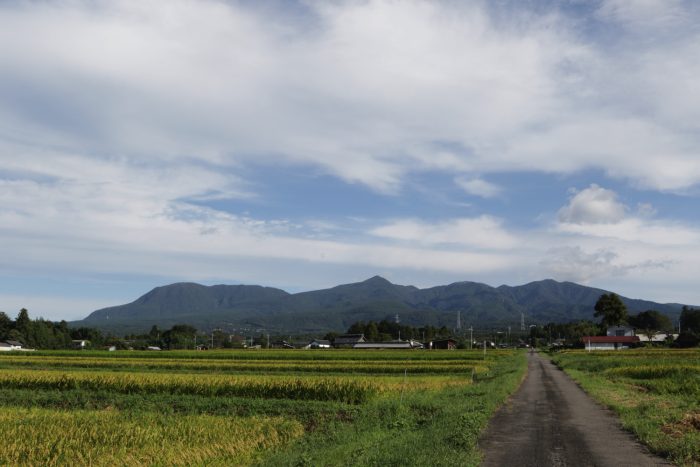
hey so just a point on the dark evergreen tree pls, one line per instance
(611, 310)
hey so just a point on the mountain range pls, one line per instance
(253, 308)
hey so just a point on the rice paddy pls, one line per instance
(289, 407)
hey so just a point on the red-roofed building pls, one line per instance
(609, 342)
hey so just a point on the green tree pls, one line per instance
(5, 325)
(690, 328)
(22, 322)
(372, 332)
(611, 310)
(180, 336)
(650, 322)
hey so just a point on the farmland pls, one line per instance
(250, 407)
(655, 392)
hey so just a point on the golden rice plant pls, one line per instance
(44, 437)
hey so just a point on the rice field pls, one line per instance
(244, 407)
(656, 392)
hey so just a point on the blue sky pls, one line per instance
(306, 144)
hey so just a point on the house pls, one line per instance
(448, 344)
(348, 340)
(389, 345)
(318, 344)
(609, 342)
(80, 344)
(10, 345)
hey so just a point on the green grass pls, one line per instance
(284, 407)
(656, 393)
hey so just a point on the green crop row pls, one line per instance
(228, 366)
(332, 389)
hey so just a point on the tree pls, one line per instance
(5, 325)
(690, 328)
(180, 336)
(690, 320)
(612, 310)
(22, 322)
(650, 322)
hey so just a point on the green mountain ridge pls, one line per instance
(258, 308)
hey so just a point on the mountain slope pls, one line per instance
(252, 307)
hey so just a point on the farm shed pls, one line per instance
(659, 337)
(448, 344)
(609, 342)
(318, 344)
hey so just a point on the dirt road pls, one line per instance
(550, 421)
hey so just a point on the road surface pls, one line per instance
(550, 421)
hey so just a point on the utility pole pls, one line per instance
(522, 321)
(459, 320)
(268, 340)
(471, 339)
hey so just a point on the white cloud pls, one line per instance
(593, 205)
(478, 187)
(639, 230)
(572, 263)
(481, 232)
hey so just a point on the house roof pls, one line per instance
(5, 344)
(382, 345)
(321, 342)
(15, 343)
(610, 339)
(349, 339)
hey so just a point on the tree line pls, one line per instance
(386, 330)
(48, 335)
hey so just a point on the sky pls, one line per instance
(304, 144)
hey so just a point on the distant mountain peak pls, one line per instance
(377, 280)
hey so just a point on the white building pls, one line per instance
(10, 345)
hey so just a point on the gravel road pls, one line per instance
(550, 421)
